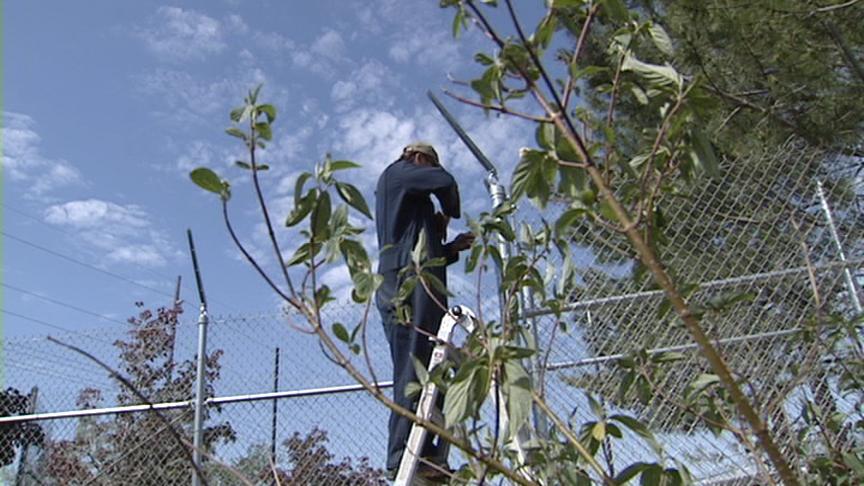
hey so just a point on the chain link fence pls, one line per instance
(753, 249)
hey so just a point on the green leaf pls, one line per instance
(640, 95)
(413, 390)
(419, 251)
(340, 332)
(616, 10)
(596, 409)
(456, 405)
(298, 186)
(599, 431)
(435, 283)
(473, 258)
(352, 196)
(639, 429)
(655, 74)
(420, 370)
(300, 256)
(323, 296)
(242, 165)
(661, 39)
(458, 21)
(365, 285)
(301, 209)
(321, 217)
(236, 132)
(237, 113)
(703, 154)
(567, 3)
(626, 383)
(545, 135)
(343, 164)
(253, 95)
(483, 59)
(651, 476)
(534, 175)
(545, 31)
(264, 130)
(355, 255)
(638, 160)
(207, 180)
(631, 472)
(269, 111)
(667, 357)
(700, 384)
(518, 391)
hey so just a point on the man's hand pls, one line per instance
(462, 242)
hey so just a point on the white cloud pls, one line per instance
(94, 213)
(374, 138)
(182, 97)
(198, 154)
(324, 56)
(424, 44)
(235, 23)
(436, 49)
(24, 163)
(372, 84)
(176, 34)
(329, 44)
(121, 234)
(273, 41)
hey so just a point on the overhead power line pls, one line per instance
(63, 304)
(37, 321)
(52, 227)
(85, 264)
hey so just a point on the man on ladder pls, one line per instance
(403, 209)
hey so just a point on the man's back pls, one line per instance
(403, 207)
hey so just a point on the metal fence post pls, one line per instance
(829, 218)
(198, 423)
(498, 194)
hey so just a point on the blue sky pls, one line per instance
(108, 105)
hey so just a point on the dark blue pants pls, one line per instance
(405, 343)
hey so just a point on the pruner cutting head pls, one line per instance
(464, 316)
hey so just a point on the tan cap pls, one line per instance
(423, 148)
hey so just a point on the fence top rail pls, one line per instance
(334, 390)
(584, 304)
(308, 392)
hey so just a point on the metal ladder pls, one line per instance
(457, 316)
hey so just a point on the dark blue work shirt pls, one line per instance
(403, 207)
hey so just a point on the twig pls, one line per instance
(589, 458)
(836, 7)
(144, 399)
(498, 108)
(580, 43)
(363, 323)
(251, 259)
(264, 210)
(274, 471)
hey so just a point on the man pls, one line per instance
(404, 208)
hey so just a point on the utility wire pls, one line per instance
(52, 227)
(73, 236)
(37, 321)
(86, 265)
(63, 304)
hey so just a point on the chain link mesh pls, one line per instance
(751, 247)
